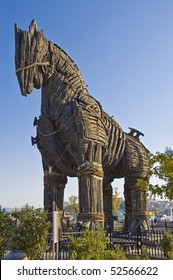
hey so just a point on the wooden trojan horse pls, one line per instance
(77, 138)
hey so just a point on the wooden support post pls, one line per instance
(136, 206)
(54, 184)
(90, 176)
(107, 201)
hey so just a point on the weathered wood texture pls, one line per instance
(75, 136)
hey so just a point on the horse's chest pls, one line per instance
(79, 121)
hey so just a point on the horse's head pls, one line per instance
(31, 57)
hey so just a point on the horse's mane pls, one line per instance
(67, 67)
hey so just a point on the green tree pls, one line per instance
(161, 166)
(31, 233)
(72, 206)
(115, 201)
(4, 231)
(93, 245)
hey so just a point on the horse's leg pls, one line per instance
(107, 202)
(128, 202)
(135, 166)
(54, 185)
(90, 177)
(135, 205)
(54, 179)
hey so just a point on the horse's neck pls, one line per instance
(65, 84)
(66, 66)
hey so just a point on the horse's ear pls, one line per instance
(16, 28)
(33, 27)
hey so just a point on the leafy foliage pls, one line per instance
(167, 245)
(143, 256)
(93, 245)
(72, 206)
(31, 233)
(4, 230)
(161, 166)
(115, 201)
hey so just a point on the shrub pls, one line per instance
(167, 245)
(93, 245)
(31, 233)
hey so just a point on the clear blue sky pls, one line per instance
(123, 48)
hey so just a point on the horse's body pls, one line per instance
(77, 138)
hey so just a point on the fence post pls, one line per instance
(55, 221)
(166, 226)
(139, 239)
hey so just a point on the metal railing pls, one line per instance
(140, 243)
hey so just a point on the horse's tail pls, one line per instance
(136, 157)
